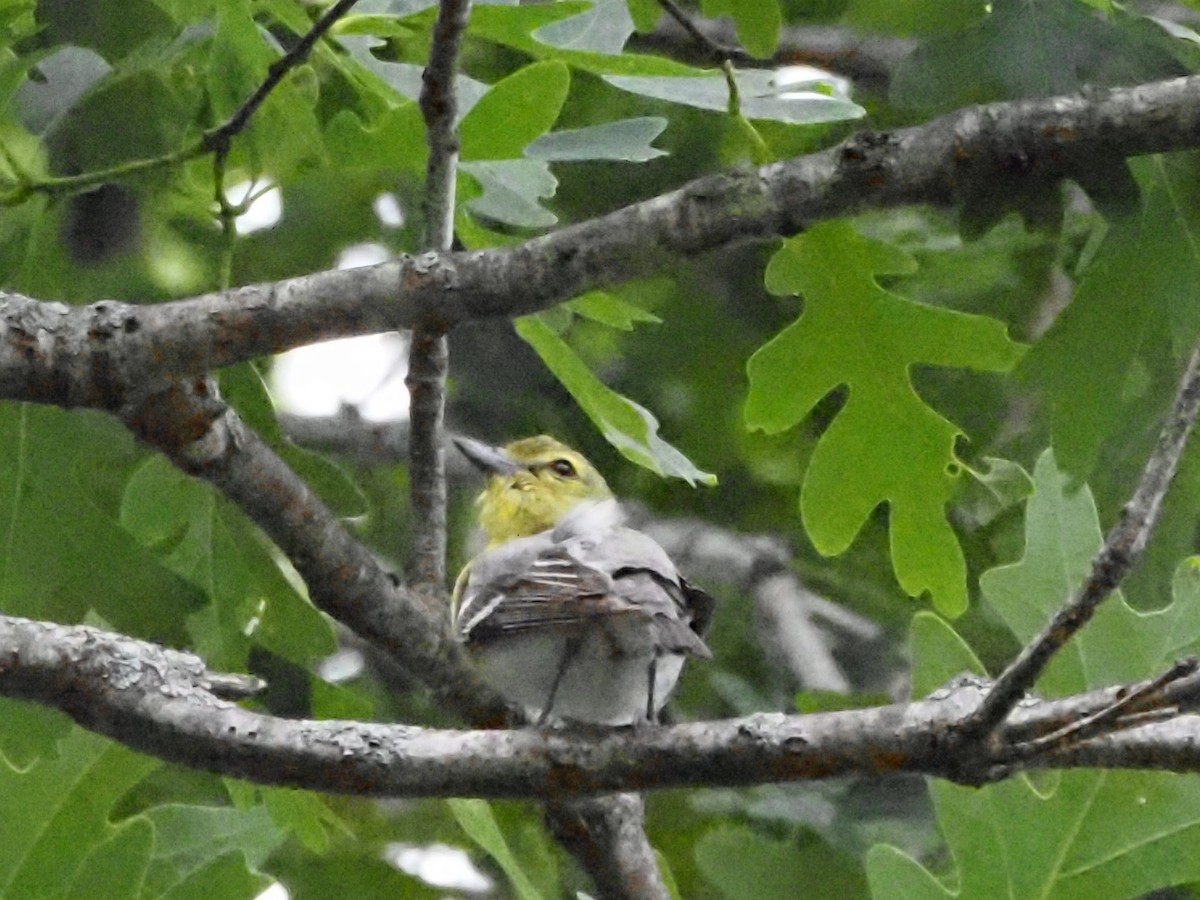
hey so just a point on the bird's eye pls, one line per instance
(563, 467)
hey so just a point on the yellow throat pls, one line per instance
(532, 484)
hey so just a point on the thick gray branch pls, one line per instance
(90, 356)
(160, 702)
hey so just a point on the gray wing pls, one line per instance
(554, 580)
(644, 573)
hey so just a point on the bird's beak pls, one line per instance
(490, 460)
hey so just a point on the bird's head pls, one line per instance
(532, 483)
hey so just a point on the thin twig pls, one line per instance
(227, 214)
(429, 352)
(1122, 549)
(606, 834)
(720, 52)
(868, 59)
(217, 138)
(1128, 711)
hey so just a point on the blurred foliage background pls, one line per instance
(1049, 317)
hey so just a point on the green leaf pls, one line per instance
(514, 112)
(476, 819)
(404, 78)
(885, 445)
(1023, 49)
(607, 309)
(645, 14)
(994, 490)
(394, 141)
(57, 812)
(198, 535)
(240, 58)
(298, 812)
(761, 96)
(283, 135)
(1082, 834)
(836, 701)
(511, 191)
(380, 26)
(515, 27)
(893, 873)
(112, 29)
(602, 29)
(924, 17)
(1176, 30)
(28, 732)
(117, 867)
(54, 461)
(668, 876)
(627, 140)
(301, 812)
(630, 428)
(1094, 395)
(758, 22)
(225, 876)
(742, 864)
(945, 655)
(1119, 644)
(208, 845)
(130, 114)
(64, 76)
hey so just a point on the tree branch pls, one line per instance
(78, 356)
(716, 50)
(216, 140)
(428, 361)
(1122, 549)
(607, 837)
(199, 434)
(162, 702)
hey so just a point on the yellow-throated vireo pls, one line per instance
(569, 613)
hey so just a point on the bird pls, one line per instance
(568, 613)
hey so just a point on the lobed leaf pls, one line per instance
(761, 96)
(627, 140)
(514, 112)
(602, 29)
(886, 445)
(1088, 833)
(54, 814)
(198, 535)
(1095, 395)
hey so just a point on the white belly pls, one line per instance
(597, 686)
